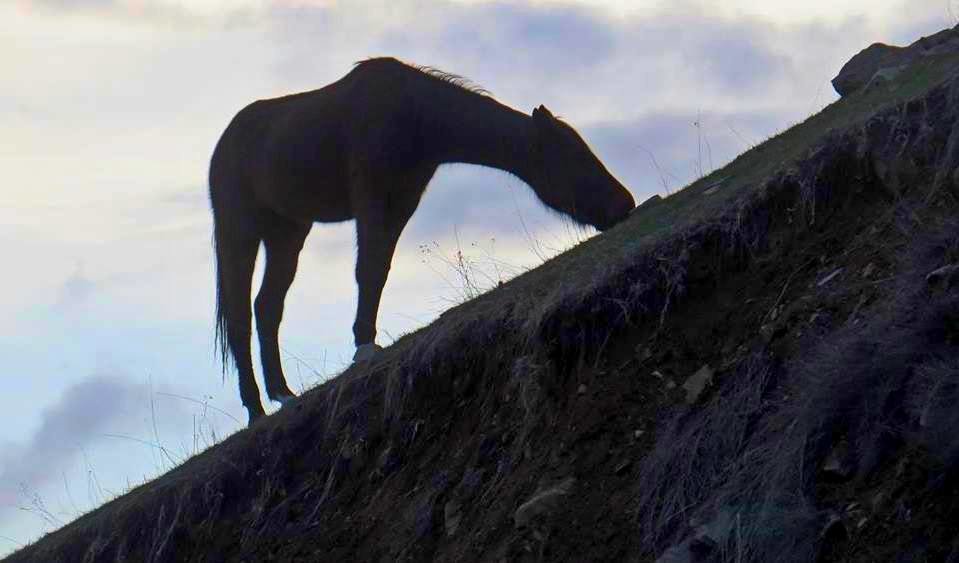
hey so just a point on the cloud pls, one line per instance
(83, 413)
(588, 64)
(678, 143)
(175, 13)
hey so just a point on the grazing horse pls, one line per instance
(364, 148)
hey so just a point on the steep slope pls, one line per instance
(757, 366)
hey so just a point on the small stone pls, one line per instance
(766, 331)
(868, 270)
(581, 389)
(658, 374)
(643, 352)
(637, 434)
(697, 383)
(543, 502)
(670, 384)
(878, 500)
(452, 513)
(623, 467)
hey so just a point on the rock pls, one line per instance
(884, 75)
(946, 275)
(544, 502)
(697, 383)
(581, 389)
(838, 464)
(860, 69)
(452, 514)
(714, 187)
(879, 62)
(651, 202)
(637, 434)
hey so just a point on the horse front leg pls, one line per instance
(376, 234)
(381, 216)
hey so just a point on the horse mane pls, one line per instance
(433, 72)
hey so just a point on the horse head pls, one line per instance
(572, 180)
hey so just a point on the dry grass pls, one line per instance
(755, 452)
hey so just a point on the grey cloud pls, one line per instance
(84, 412)
(579, 60)
(633, 149)
(467, 197)
(531, 36)
(932, 21)
(738, 60)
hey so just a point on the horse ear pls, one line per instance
(542, 115)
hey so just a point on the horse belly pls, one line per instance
(316, 200)
(305, 179)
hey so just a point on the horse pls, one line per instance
(364, 148)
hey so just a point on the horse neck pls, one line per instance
(475, 129)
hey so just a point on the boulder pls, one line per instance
(881, 62)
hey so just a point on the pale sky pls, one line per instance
(109, 110)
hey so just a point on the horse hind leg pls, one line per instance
(236, 257)
(283, 243)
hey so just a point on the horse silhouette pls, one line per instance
(364, 148)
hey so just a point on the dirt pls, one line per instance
(572, 397)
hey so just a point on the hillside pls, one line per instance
(762, 365)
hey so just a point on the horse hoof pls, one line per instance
(253, 416)
(366, 353)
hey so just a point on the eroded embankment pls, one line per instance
(712, 392)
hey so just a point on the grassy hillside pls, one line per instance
(754, 367)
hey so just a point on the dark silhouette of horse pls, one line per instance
(364, 148)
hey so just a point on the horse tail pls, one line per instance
(220, 340)
(235, 246)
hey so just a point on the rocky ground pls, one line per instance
(762, 366)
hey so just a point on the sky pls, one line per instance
(109, 110)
